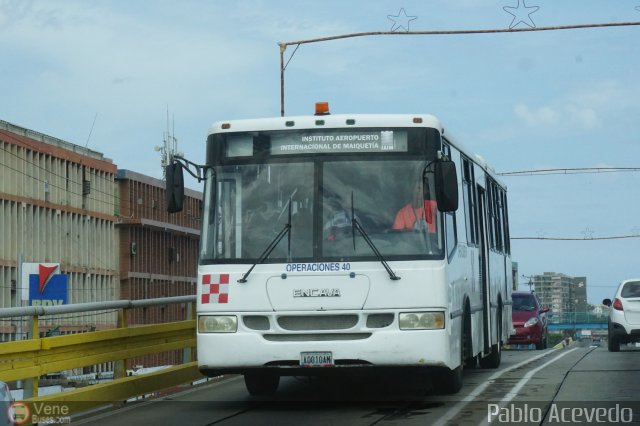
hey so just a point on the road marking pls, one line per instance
(480, 388)
(514, 390)
(510, 395)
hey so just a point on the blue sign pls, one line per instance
(53, 292)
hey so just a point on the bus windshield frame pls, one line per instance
(390, 193)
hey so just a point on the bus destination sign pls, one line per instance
(337, 142)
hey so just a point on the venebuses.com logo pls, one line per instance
(18, 413)
(21, 413)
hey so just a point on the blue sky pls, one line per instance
(522, 101)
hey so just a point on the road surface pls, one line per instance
(572, 385)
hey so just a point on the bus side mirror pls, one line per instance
(175, 187)
(446, 182)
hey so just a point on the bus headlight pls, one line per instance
(217, 323)
(421, 320)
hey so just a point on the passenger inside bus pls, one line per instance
(338, 223)
(302, 223)
(419, 214)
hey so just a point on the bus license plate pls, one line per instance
(316, 359)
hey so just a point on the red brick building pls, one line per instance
(158, 252)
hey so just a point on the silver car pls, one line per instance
(624, 314)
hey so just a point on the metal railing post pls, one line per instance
(120, 365)
(31, 384)
(187, 353)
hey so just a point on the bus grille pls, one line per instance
(256, 322)
(317, 322)
(379, 320)
(315, 337)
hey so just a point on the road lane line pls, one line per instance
(480, 388)
(514, 390)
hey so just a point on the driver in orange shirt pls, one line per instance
(421, 213)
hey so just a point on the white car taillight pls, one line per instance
(617, 305)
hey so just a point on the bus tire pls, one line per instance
(260, 384)
(470, 361)
(449, 381)
(493, 360)
(613, 343)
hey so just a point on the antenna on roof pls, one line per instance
(91, 131)
(169, 146)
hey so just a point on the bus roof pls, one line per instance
(339, 121)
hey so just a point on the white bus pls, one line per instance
(335, 242)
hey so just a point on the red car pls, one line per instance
(529, 319)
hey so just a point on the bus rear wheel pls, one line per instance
(260, 384)
(493, 360)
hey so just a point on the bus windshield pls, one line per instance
(389, 198)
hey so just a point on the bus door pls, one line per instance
(483, 262)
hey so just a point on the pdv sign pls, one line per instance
(46, 285)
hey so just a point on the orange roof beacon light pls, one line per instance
(322, 108)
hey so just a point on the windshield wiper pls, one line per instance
(356, 226)
(272, 245)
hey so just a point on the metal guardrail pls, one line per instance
(29, 359)
(95, 306)
(577, 317)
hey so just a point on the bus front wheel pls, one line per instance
(260, 384)
(449, 381)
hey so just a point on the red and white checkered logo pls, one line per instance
(215, 288)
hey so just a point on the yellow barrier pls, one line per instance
(127, 387)
(30, 359)
(27, 360)
(20, 360)
(59, 405)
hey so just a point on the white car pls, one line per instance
(624, 314)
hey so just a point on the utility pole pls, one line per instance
(530, 283)
(572, 310)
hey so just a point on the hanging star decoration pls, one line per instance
(521, 14)
(588, 233)
(401, 21)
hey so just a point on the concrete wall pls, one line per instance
(57, 204)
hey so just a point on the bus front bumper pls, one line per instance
(249, 350)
